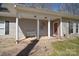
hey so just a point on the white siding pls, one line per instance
(2, 28)
(65, 26)
(30, 25)
(12, 28)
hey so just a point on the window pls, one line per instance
(6, 27)
(70, 27)
(0, 4)
(76, 27)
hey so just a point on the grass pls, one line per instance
(66, 48)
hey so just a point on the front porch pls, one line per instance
(37, 28)
(41, 23)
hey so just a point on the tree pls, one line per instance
(72, 8)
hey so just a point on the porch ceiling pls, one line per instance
(33, 15)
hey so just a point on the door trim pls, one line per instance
(53, 28)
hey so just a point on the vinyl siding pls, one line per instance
(65, 25)
(25, 25)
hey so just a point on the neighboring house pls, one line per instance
(19, 22)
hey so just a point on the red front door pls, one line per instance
(55, 29)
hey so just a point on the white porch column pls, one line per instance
(74, 27)
(61, 32)
(48, 28)
(17, 31)
(37, 28)
(78, 28)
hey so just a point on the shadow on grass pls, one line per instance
(28, 48)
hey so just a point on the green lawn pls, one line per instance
(66, 48)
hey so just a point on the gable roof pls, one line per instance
(12, 11)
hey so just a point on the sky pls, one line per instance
(53, 6)
(56, 6)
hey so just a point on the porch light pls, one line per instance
(35, 16)
(45, 17)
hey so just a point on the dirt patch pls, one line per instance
(30, 47)
(43, 47)
(8, 47)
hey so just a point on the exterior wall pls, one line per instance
(2, 27)
(65, 26)
(43, 27)
(25, 25)
(51, 28)
(30, 25)
(12, 27)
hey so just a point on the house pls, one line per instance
(18, 21)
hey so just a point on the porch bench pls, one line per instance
(33, 33)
